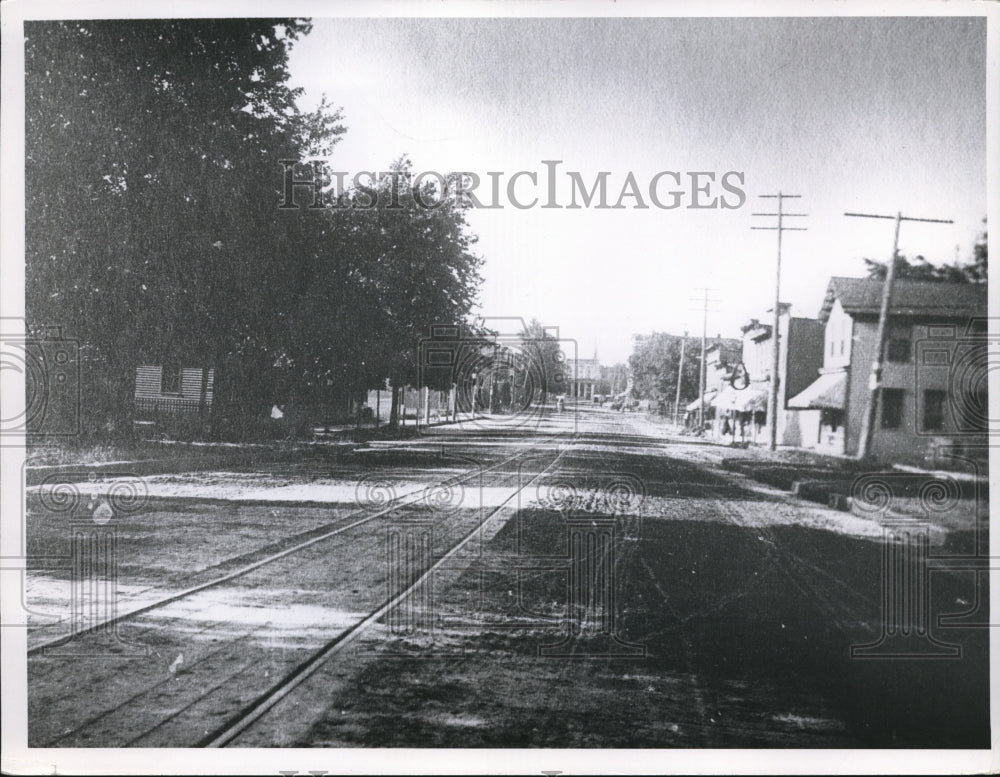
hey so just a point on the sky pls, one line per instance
(876, 115)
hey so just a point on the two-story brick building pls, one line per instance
(933, 386)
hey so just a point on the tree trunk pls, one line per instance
(394, 408)
(221, 406)
(203, 394)
(106, 402)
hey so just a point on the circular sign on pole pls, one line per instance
(740, 378)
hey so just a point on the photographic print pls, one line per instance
(555, 387)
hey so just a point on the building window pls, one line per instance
(892, 408)
(841, 347)
(170, 380)
(899, 349)
(933, 417)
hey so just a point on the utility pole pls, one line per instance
(869, 419)
(702, 377)
(493, 376)
(680, 374)
(772, 402)
(702, 374)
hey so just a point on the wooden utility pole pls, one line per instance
(493, 377)
(680, 374)
(870, 418)
(702, 372)
(772, 401)
(702, 377)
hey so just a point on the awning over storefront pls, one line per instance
(752, 400)
(745, 401)
(827, 392)
(697, 403)
(725, 399)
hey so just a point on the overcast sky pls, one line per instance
(855, 114)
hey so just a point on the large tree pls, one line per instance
(544, 365)
(152, 183)
(654, 364)
(396, 262)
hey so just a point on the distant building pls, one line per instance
(800, 354)
(583, 377)
(721, 357)
(934, 375)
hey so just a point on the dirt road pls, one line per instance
(613, 590)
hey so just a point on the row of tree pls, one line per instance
(153, 232)
(919, 269)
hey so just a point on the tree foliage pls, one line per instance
(150, 226)
(153, 232)
(389, 271)
(544, 364)
(919, 269)
(654, 364)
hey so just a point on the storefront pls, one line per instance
(828, 395)
(741, 415)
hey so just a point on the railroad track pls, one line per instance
(218, 675)
(251, 713)
(410, 497)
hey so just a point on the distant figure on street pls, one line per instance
(277, 420)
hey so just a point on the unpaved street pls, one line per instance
(579, 582)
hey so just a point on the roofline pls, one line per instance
(830, 297)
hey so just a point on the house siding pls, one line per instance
(859, 372)
(834, 340)
(910, 442)
(839, 338)
(150, 398)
